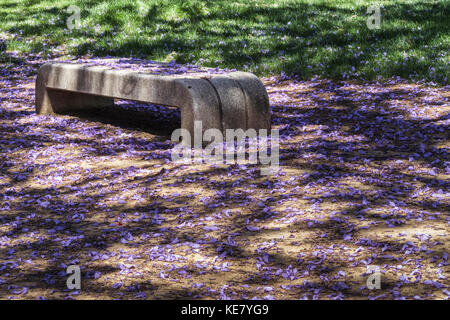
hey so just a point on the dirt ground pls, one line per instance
(363, 182)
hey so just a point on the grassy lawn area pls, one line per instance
(329, 39)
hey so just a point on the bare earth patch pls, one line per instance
(363, 181)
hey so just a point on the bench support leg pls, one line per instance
(51, 101)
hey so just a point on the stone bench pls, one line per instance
(221, 100)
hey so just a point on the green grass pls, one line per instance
(324, 38)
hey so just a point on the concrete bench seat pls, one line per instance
(227, 100)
